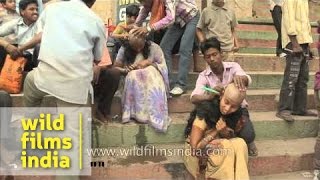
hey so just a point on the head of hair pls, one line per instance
(3, 1)
(210, 43)
(89, 3)
(129, 53)
(24, 4)
(132, 10)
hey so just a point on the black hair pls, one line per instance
(24, 4)
(3, 1)
(209, 111)
(210, 43)
(132, 10)
(130, 54)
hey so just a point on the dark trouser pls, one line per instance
(247, 132)
(276, 14)
(5, 115)
(293, 94)
(187, 34)
(32, 60)
(105, 89)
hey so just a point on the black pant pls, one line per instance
(276, 14)
(105, 89)
(293, 94)
(32, 60)
(247, 132)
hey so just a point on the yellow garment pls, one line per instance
(119, 29)
(295, 21)
(230, 162)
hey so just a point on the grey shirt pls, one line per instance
(218, 22)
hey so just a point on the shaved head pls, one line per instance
(136, 42)
(231, 99)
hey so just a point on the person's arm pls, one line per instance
(8, 28)
(162, 23)
(32, 43)
(200, 26)
(200, 35)
(11, 49)
(143, 14)
(199, 94)
(168, 19)
(241, 79)
(234, 24)
(288, 18)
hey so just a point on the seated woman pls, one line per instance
(146, 83)
(211, 134)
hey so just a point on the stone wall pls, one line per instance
(243, 8)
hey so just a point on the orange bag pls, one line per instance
(12, 74)
(158, 11)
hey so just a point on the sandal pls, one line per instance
(252, 149)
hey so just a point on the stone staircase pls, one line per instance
(282, 147)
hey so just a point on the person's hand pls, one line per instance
(129, 27)
(240, 82)
(297, 49)
(96, 74)
(13, 51)
(140, 31)
(219, 88)
(143, 64)
(221, 125)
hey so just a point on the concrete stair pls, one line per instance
(282, 147)
(276, 156)
(266, 124)
(251, 62)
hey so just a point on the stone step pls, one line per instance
(260, 79)
(250, 62)
(258, 99)
(266, 124)
(275, 156)
(297, 175)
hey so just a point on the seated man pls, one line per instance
(219, 74)
(23, 30)
(214, 127)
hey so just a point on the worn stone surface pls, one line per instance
(266, 125)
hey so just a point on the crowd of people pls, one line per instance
(78, 69)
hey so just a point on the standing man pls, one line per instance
(296, 35)
(220, 22)
(73, 38)
(184, 15)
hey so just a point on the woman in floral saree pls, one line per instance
(146, 83)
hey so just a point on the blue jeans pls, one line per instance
(170, 38)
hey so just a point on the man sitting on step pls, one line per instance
(218, 75)
(23, 30)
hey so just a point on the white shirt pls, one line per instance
(22, 32)
(73, 36)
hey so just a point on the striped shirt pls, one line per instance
(186, 10)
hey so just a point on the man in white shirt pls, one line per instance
(72, 39)
(23, 30)
(65, 68)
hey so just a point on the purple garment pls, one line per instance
(145, 92)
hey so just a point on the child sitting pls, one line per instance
(121, 32)
(10, 12)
